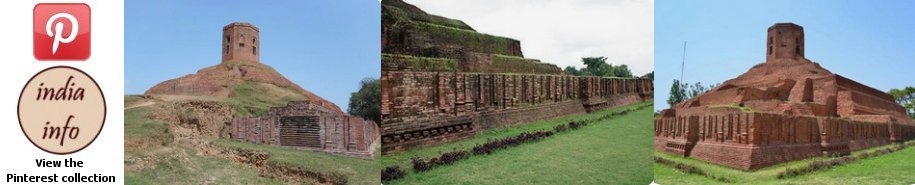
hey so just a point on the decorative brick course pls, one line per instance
(755, 140)
(415, 102)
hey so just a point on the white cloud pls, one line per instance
(561, 32)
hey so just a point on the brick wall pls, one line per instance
(255, 130)
(308, 126)
(753, 140)
(425, 108)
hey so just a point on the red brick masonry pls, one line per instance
(785, 109)
(441, 81)
(307, 126)
(424, 108)
(755, 140)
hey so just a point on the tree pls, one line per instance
(570, 70)
(366, 102)
(595, 66)
(619, 71)
(906, 98)
(649, 75)
(598, 66)
(698, 89)
(680, 92)
(677, 93)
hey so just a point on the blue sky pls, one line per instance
(867, 41)
(326, 47)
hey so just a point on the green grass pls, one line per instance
(612, 151)
(894, 168)
(435, 32)
(138, 127)
(500, 64)
(399, 14)
(359, 171)
(420, 63)
(514, 64)
(254, 99)
(172, 163)
(132, 98)
(166, 162)
(190, 168)
(472, 40)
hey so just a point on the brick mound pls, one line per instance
(785, 109)
(798, 87)
(218, 81)
(444, 81)
(412, 36)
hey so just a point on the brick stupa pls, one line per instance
(240, 63)
(787, 108)
(304, 121)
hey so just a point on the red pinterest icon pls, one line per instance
(61, 31)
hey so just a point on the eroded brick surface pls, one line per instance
(421, 108)
(307, 126)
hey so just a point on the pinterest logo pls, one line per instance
(62, 31)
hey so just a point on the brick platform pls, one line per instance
(785, 109)
(750, 141)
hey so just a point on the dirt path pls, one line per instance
(140, 105)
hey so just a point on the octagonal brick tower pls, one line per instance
(785, 41)
(240, 42)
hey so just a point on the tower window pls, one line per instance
(254, 50)
(254, 40)
(228, 39)
(241, 44)
(770, 50)
(227, 49)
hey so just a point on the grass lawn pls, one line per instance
(612, 151)
(893, 168)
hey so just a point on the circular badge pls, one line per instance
(61, 110)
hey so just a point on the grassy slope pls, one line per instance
(894, 168)
(359, 171)
(181, 165)
(253, 99)
(196, 169)
(177, 164)
(614, 151)
(137, 127)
